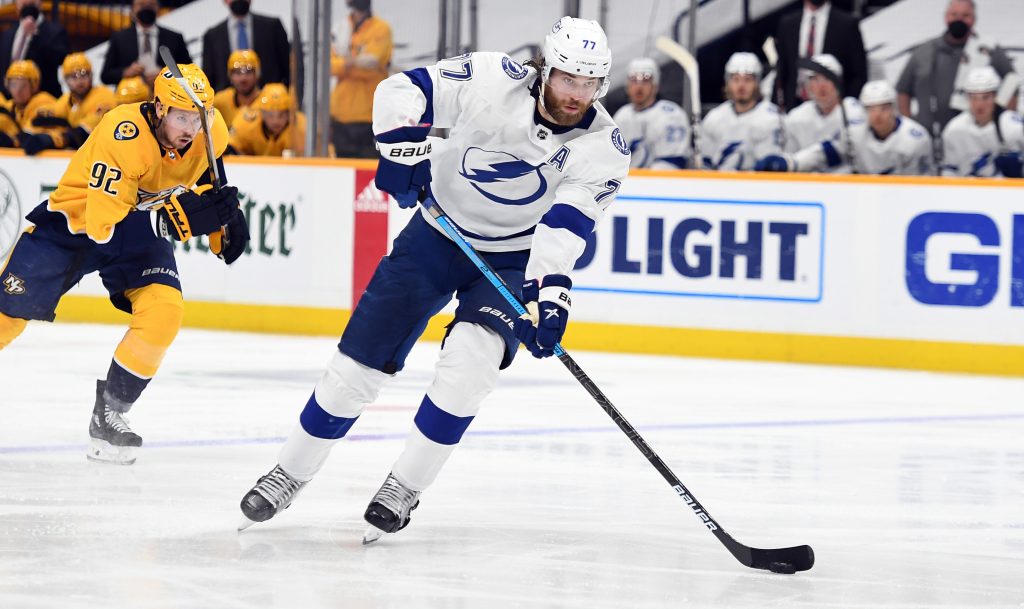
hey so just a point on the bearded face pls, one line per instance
(567, 97)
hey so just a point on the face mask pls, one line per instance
(146, 16)
(818, 3)
(239, 8)
(958, 29)
(29, 10)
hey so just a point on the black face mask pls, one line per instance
(29, 10)
(146, 16)
(818, 3)
(239, 8)
(958, 29)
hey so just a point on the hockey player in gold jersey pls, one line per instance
(244, 72)
(141, 176)
(16, 114)
(68, 121)
(272, 128)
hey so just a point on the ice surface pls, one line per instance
(909, 486)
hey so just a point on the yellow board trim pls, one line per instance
(721, 344)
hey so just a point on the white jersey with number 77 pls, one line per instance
(508, 178)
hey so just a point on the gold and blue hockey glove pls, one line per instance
(229, 242)
(198, 212)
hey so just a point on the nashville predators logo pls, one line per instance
(13, 285)
(125, 130)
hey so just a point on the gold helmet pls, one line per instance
(275, 96)
(169, 93)
(24, 69)
(245, 59)
(76, 63)
(131, 90)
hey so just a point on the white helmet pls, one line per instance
(829, 62)
(578, 46)
(743, 63)
(982, 80)
(877, 92)
(644, 67)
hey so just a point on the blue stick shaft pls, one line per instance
(446, 225)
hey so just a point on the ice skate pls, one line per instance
(389, 509)
(111, 440)
(273, 493)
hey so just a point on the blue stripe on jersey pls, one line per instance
(321, 424)
(831, 154)
(421, 78)
(440, 426)
(678, 161)
(568, 217)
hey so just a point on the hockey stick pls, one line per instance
(772, 55)
(216, 238)
(681, 56)
(778, 560)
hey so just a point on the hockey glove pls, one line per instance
(34, 143)
(404, 168)
(229, 242)
(50, 121)
(1010, 164)
(199, 212)
(548, 304)
(774, 162)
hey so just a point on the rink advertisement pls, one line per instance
(707, 248)
(906, 272)
(911, 272)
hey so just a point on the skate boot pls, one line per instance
(273, 493)
(111, 440)
(389, 509)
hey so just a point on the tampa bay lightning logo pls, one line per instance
(502, 177)
(513, 69)
(619, 142)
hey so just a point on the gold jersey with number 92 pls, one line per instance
(122, 167)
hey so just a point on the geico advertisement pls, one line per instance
(708, 248)
(966, 258)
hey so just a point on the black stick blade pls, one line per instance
(782, 560)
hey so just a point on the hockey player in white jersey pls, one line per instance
(887, 144)
(530, 165)
(746, 128)
(657, 130)
(822, 118)
(986, 140)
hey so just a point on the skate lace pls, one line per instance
(277, 486)
(116, 421)
(396, 497)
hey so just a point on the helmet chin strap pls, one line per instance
(540, 97)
